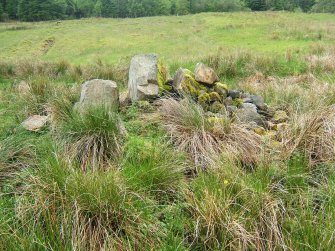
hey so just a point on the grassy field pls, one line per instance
(176, 39)
(166, 176)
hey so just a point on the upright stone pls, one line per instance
(143, 77)
(98, 92)
(205, 74)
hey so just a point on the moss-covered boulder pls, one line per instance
(185, 82)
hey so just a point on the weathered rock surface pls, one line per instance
(98, 92)
(35, 123)
(248, 114)
(143, 77)
(180, 78)
(205, 74)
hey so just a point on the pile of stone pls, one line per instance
(149, 80)
(203, 85)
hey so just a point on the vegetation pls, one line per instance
(38, 10)
(164, 176)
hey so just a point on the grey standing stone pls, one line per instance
(143, 82)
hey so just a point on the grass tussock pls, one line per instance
(154, 168)
(314, 135)
(205, 138)
(16, 153)
(92, 138)
(66, 208)
(235, 211)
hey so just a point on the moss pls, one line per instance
(237, 102)
(221, 89)
(214, 96)
(162, 77)
(217, 107)
(204, 98)
(191, 86)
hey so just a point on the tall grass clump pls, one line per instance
(92, 138)
(152, 167)
(33, 95)
(16, 153)
(313, 134)
(62, 207)
(204, 138)
(233, 210)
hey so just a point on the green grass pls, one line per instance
(85, 184)
(176, 39)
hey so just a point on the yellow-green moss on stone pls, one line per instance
(162, 77)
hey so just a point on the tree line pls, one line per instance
(41, 10)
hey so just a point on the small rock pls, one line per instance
(205, 74)
(35, 123)
(234, 94)
(23, 87)
(258, 101)
(280, 117)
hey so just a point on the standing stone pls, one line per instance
(98, 92)
(143, 77)
(35, 123)
(205, 74)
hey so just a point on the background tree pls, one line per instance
(182, 7)
(256, 5)
(324, 6)
(306, 5)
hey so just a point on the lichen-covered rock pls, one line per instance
(259, 130)
(35, 123)
(98, 92)
(221, 89)
(163, 77)
(218, 107)
(205, 74)
(143, 81)
(214, 96)
(181, 76)
(280, 117)
(185, 82)
(204, 99)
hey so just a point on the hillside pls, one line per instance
(176, 39)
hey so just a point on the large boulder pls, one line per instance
(180, 78)
(98, 92)
(35, 123)
(143, 77)
(205, 74)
